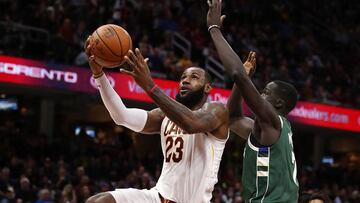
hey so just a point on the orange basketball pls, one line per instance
(110, 43)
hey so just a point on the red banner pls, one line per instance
(326, 116)
(34, 73)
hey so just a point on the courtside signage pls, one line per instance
(27, 72)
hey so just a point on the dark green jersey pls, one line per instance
(269, 173)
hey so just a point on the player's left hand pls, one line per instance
(250, 64)
(140, 69)
(214, 16)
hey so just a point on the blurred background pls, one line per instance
(58, 143)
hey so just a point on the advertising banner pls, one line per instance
(27, 72)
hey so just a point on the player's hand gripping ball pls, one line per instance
(109, 44)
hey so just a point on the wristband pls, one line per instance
(153, 89)
(213, 26)
(98, 75)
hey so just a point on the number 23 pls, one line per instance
(178, 154)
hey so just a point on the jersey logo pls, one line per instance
(173, 129)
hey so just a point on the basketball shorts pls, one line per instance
(132, 195)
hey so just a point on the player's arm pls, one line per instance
(240, 124)
(135, 119)
(206, 119)
(264, 111)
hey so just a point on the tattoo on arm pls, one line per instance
(205, 119)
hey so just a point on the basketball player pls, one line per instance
(193, 134)
(269, 166)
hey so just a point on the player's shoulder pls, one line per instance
(218, 106)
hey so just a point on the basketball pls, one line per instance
(110, 44)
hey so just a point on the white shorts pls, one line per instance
(132, 195)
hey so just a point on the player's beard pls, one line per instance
(192, 98)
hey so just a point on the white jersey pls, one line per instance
(191, 164)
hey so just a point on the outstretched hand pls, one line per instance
(214, 16)
(250, 64)
(140, 69)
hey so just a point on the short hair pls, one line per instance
(307, 197)
(288, 93)
(321, 196)
(208, 77)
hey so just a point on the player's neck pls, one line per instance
(200, 104)
(281, 113)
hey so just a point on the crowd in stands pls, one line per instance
(70, 169)
(315, 46)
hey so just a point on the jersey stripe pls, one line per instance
(212, 151)
(262, 168)
(267, 182)
(257, 178)
(262, 173)
(263, 161)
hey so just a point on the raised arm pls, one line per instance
(234, 103)
(207, 119)
(240, 124)
(135, 119)
(264, 111)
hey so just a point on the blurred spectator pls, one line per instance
(183, 63)
(26, 191)
(68, 195)
(71, 175)
(44, 196)
(316, 197)
(66, 31)
(295, 41)
(7, 193)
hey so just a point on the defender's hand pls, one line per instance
(140, 69)
(214, 16)
(250, 64)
